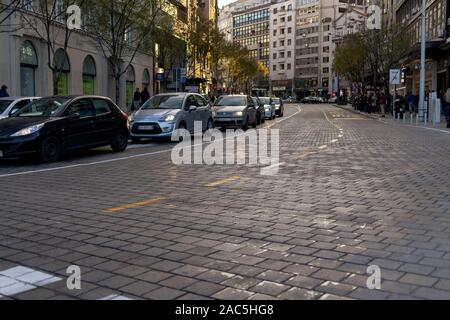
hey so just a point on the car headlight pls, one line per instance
(238, 113)
(168, 118)
(28, 131)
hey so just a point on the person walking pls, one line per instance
(447, 107)
(3, 92)
(410, 101)
(382, 102)
(136, 100)
(145, 95)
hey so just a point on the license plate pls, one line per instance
(225, 119)
(146, 127)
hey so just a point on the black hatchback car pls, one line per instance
(50, 126)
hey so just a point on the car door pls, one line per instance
(202, 112)
(80, 132)
(190, 116)
(105, 120)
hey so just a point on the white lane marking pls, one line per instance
(286, 118)
(120, 158)
(322, 146)
(21, 279)
(115, 297)
(334, 140)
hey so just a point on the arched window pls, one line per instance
(28, 65)
(61, 64)
(89, 74)
(129, 86)
(145, 79)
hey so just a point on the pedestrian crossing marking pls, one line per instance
(115, 297)
(21, 279)
(135, 204)
(223, 181)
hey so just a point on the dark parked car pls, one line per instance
(235, 110)
(279, 106)
(50, 126)
(260, 116)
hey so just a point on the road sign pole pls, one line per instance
(422, 58)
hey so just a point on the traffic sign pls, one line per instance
(394, 76)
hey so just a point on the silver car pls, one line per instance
(164, 113)
(9, 105)
(235, 111)
(269, 107)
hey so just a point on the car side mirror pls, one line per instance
(192, 108)
(74, 116)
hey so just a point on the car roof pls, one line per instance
(18, 98)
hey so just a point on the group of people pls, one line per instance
(372, 102)
(140, 98)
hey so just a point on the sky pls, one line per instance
(224, 2)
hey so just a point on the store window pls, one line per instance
(89, 74)
(28, 65)
(62, 65)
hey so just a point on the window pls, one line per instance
(191, 101)
(200, 101)
(275, 55)
(61, 63)
(275, 10)
(274, 67)
(129, 85)
(275, 21)
(145, 78)
(325, 70)
(289, 30)
(28, 65)
(274, 44)
(281, 54)
(282, 66)
(101, 107)
(274, 33)
(282, 43)
(289, 66)
(289, 18)
(326, 38)
(89, 74)
(283, 19)
(326, 59)
(82, 107)
(282, 31)
(289, 54)
(289, 42)
(326, 49)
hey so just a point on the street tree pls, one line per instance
(48, 21)
(121, 29)
(7, 9)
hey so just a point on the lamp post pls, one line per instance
(422, 60)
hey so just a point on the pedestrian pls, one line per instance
(447, 107)
(145, 96)
(136, 100)
(410, 101)
(382, 102)
(373, 107)
(3, 92)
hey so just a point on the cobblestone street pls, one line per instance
(351, 192)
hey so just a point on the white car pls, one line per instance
(9, 105)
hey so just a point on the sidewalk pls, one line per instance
(389, 118)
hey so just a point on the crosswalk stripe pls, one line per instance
(115, 297)
(21, 279)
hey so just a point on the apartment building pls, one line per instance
(282, 47)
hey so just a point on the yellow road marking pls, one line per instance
(135, 204)
(222, 181)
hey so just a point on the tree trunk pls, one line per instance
(117, 89)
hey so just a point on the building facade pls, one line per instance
(24, 65)
(282, 48)
(437, 44)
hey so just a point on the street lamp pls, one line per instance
(422, 60)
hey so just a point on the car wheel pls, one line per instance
(50, 150)
(120, 141)
(136, 140)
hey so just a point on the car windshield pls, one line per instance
(264, 100)
(42, 108)
(276, 100)
(164, 102)
(4, 104)
(231, 101)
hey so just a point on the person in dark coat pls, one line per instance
(145, 95)
(3, 92)
(136, 100)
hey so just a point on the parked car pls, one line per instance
(160, 116)
(11, 104)
(279, 107)
(51, 126)
(332, 100)
(235, 111)
(312, 99)
(260, 115)
(269, 107)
